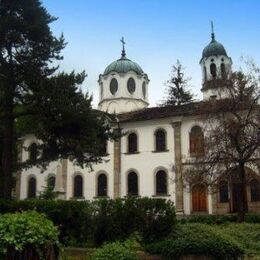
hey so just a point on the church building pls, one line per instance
(148, 159)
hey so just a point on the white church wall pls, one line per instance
(90, 176)
(41, 178)
(147, 162)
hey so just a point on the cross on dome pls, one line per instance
(123, 55)
(212, 32)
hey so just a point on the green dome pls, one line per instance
(213, 49)
(123, 65)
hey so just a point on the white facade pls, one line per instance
(146, 161)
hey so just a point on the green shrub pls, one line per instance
(245, 234)
(117, 219)
(115, 251)
(219, 219)
(197, 239)
(252, 218)
(27, 232)
(84, 223)
(209, 219)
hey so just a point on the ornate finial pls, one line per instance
(123, 48)
(212, 32)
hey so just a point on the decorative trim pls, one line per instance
(123, 98)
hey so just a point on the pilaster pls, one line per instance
(117, 166)
(18, 174)
(178, 168)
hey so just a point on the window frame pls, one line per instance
(155, 140)
(74, 187)
(98, 195)
(137, 183)
(223, 198)
(196, 141)
(32, 152)
(157, 193)
(132, 80)
(110, 86)
(132, 151)
(31, 177)
(254, 190)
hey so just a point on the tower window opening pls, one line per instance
(144, 89)
(223, 70)
(205, 74)
(213, 70)
(131, 85)
(113, 86)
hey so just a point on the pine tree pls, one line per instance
(177, 93)
(35, 99)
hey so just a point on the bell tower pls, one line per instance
(216, 69)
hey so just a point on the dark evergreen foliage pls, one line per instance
(177, 87)
(35, 99)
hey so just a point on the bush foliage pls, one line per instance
(219, 219)
(84, 223)
(197, 239)
(27, 231)
(115, 251)
(245, 234)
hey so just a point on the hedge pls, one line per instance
(197, 239)
(84, 223)
(219, 219)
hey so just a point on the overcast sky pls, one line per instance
(157, 33)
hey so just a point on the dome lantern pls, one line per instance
(122, 86)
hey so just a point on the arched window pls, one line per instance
(102, 185)
(51, 182)
(33, 152)
(132, 184)
(160, 140)
(113, 86)
(31, 188)
(205, 74)
(255, 190)
(132, 143)
(161, 183)
(223, 191)
(213, 70)
(131, 85)
(223, 70)
(196, 141)
(78, 186)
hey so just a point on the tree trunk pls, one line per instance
(8, 137)
(243, 204)
(7, 157)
